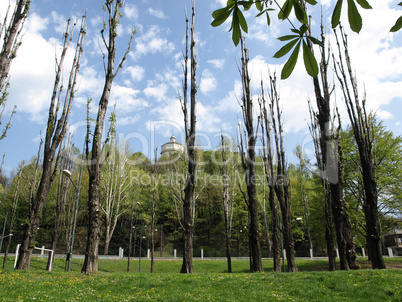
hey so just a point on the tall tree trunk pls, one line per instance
(188, 201)
(249, 166)
(56, 130)
(91, 253)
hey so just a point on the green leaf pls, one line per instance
(242, 21)
(221, 18)
(336, 14)
(285, 49)
(315, 40)
(398, 25)
(258, 5)
(400, 3)
(312, 2)
(309, 61)
(268, 19)
(220, 11)
(300, 12)
(364, 4)
(236, 32)
(288, 37)
(285, 10)
(291, 63)
(355, 20)
(246, 4)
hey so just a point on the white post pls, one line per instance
(51, 260)
(174, 253)
(148, 254)
(42, 250)
(363, 252)
(202, 254)
(311, 253)
(121, 253)
(16, 254)
(390, 253)
(337, 253)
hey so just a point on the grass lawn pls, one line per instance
(208, 283)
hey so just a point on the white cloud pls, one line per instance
(156, 13)
(217, 63)
(158, 92)
(130, 11)
(152, 42)
(208, 82)
(126, 100)
(136, 72)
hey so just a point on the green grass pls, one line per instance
(209, 283)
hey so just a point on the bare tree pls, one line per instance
(112, 9)
(328, 160)
(270, 176)
(364, 136)
(189, 128)
(282, 183)
(56, 129)
(249, 165)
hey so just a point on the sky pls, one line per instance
(146, 90)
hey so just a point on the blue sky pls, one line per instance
(146, 89)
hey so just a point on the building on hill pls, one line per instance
(171, 147)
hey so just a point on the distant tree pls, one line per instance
(55, 132)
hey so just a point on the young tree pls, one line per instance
(227, 200)
(56, 130)
(248, 164)
(112, 8)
